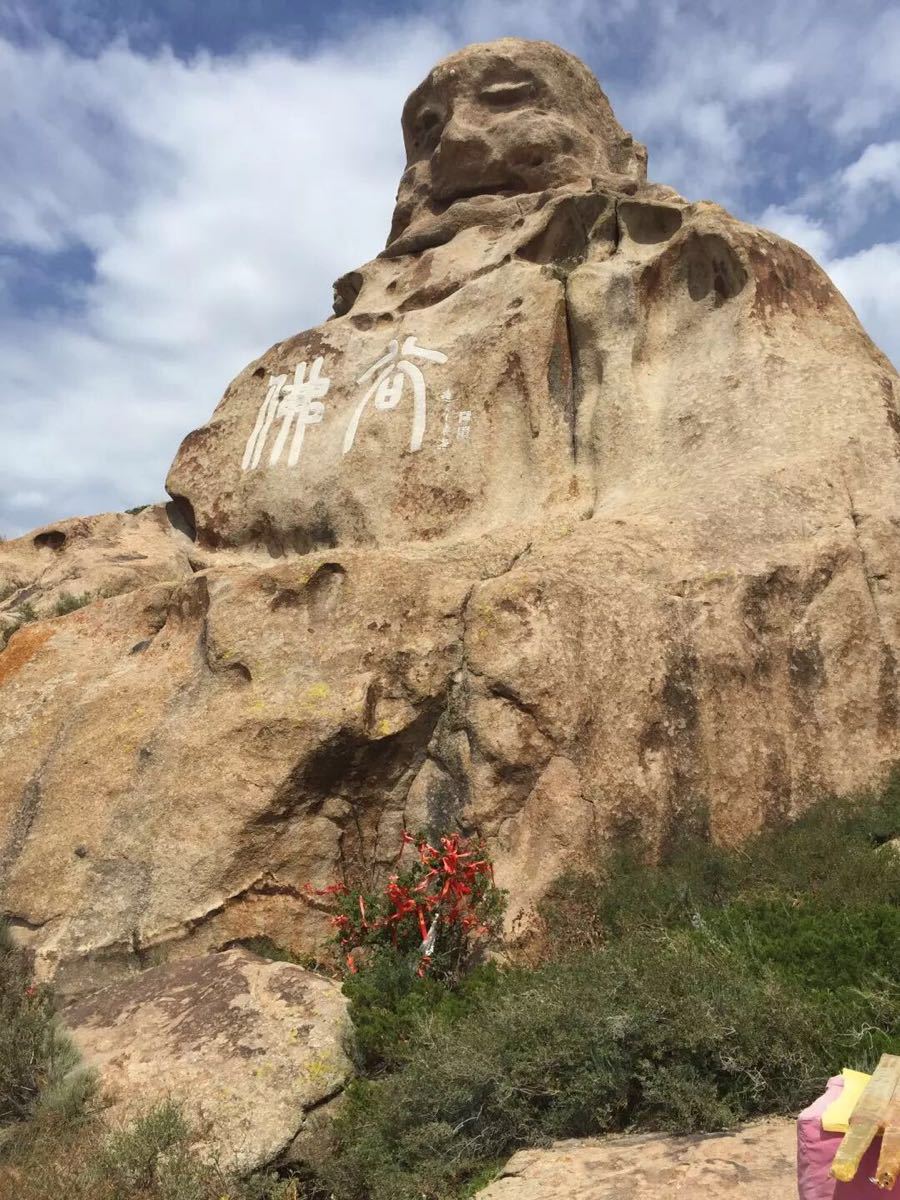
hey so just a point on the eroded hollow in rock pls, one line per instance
(649, 224)
(711, 265)
(55, 539)
(180, 512)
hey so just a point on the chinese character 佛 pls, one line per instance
(298, 404)
(390, 375)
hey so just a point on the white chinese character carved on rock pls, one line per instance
(298, 404)
(390, 374)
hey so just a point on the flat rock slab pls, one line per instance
(247, 1046)
(757, 1162)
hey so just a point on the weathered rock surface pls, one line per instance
(579, 516)
(758, 1162)
(90, 558)
(251, 1049)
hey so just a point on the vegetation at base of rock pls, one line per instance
(37, 1060)
(389, 1003)
(439, 908)
(715, 987)
(153, 1158)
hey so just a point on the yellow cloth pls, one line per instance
(836, 1117)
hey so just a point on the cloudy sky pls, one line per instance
(183, 179)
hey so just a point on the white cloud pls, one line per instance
(870, 279)
(797, 227)
(877, 167)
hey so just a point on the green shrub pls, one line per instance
(66, 602)
(27, 613)
(667, 1035)
(152, 1158)
(437, 911)
(36, 1057)
(666, 1031)
(388, 1003)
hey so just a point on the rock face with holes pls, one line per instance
(73, 562)
(578, 518)
(253, 1050)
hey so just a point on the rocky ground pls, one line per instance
(757, 1162)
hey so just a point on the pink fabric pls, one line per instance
(816, 1150)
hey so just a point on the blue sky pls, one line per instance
(183, 181)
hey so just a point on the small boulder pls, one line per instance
(247, 1046)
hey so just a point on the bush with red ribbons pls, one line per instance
(436, 907)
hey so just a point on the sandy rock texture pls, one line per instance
(578, 518)
(90, 558)
(253, 1050)
(757, 1162)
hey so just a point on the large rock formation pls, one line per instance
(578, 517)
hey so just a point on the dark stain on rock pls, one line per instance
(887, 693)
(316, 533)
(806, 665)
(703, 263)
(572, 224)
(560, 375)
(679, 695)
(197, 996)
(427, 297)
(712, 268)
(890, 411)
(319, 594)
(761, 601)
(239, 671)
(785, 277)
(293, 985)
(309, 344)
(648, 224)
(673, 734)
(444, 803)
(354, 766)
(777, 787)
(371, 320)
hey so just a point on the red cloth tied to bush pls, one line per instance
(446, 894)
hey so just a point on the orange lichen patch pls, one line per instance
(22, 647)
